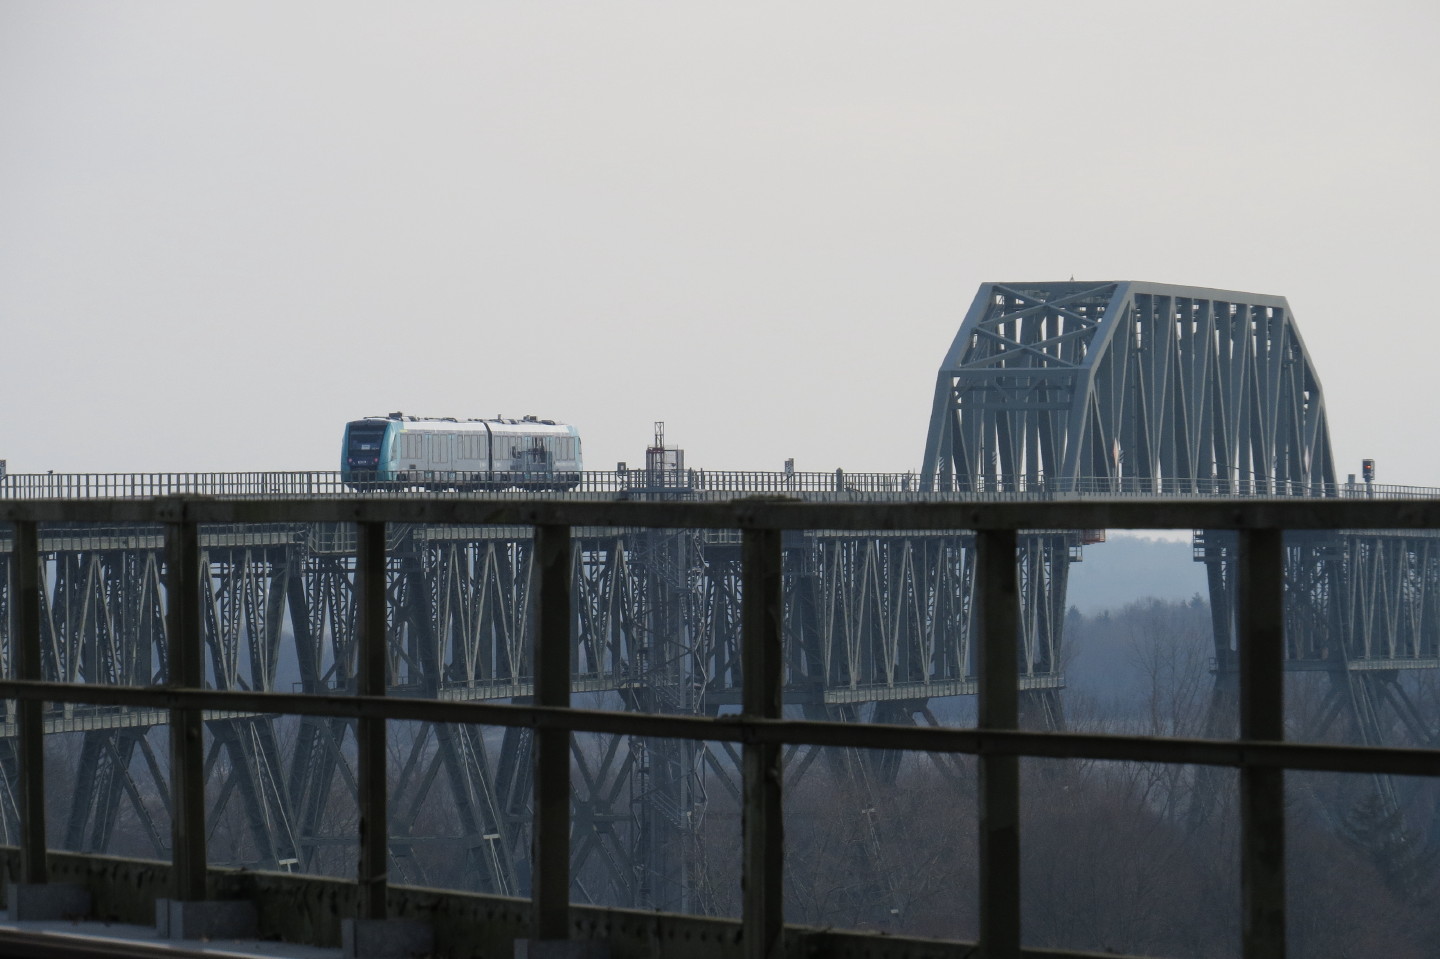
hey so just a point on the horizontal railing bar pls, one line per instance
(759, 513)
(1313, 757)
(687, 481)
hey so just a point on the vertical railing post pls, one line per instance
(1261, 631)
(997, 592)
(370, 730)
(550, 853)
(761, 661)
(25, 561)
(184, 668)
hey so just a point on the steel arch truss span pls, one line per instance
(1108, 387)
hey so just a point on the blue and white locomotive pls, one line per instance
(433, 453)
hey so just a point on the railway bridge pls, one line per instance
(1051, 394)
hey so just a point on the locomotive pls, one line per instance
(447, 453)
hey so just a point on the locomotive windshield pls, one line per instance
(362, 442)
(363, 450)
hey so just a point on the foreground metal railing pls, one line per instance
(1259, 753)
(689, 483)
(288, 484)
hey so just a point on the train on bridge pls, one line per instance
(460, 454)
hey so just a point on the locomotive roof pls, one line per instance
(500, 424)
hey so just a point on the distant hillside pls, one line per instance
(1129, 568)
(1118, 659)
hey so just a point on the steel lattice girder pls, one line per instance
(1105, 386)
(871, 617)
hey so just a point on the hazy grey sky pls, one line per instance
(226, 228)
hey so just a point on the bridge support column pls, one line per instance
(550, 888)
(374, 934)
(998, 593)
(188, 915)
(34, 897)
(1261, 594)
(762, 822)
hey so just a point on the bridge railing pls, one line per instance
(760, 732)
(839, 481)
(690, 483)
(329, 483)
(147, 485)
(1180, 488)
